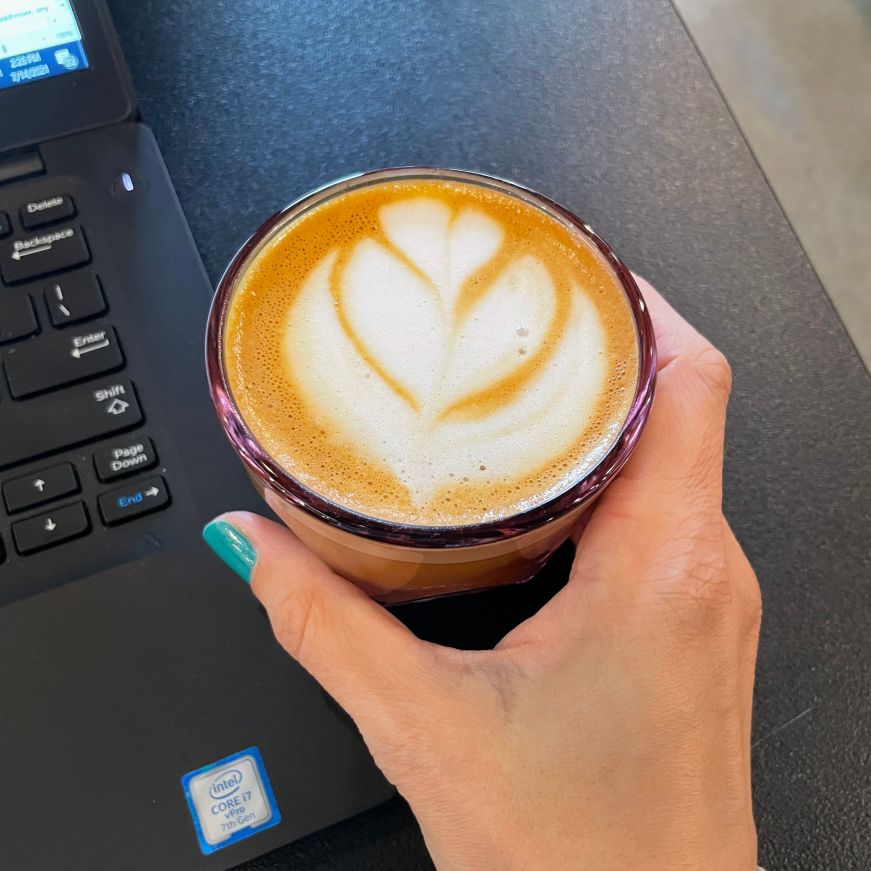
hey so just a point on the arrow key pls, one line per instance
(39, 487)
(51, 528)
(133, 500)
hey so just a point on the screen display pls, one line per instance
(38, 39)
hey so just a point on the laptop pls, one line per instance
(148, 719)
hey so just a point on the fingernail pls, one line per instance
(232, 547)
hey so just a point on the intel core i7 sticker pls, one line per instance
(230, 799)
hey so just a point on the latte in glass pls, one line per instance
(422, 353)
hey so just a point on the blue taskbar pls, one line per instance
(38, 39)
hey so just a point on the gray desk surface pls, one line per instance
(605, 105)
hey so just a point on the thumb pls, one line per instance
(370, 663)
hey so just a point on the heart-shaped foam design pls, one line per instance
(397, 351)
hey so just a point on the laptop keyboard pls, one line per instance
(64, 383)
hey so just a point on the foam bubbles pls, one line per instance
(432, 353)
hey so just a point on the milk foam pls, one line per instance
(395, 358)
(431, 352)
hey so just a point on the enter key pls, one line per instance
(51, 361)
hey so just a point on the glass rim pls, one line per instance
(261, 464)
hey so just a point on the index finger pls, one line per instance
(674, 335)
(681, 450)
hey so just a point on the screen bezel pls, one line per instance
(100, 94)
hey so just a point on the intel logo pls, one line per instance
(226, 783)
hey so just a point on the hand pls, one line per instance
(609, 731)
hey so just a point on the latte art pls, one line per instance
(432, 353)
(466, 379)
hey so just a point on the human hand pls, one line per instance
(609, 731)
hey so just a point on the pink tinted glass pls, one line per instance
(263, 467)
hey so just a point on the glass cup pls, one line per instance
(397, 563)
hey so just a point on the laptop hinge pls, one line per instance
(20, 164)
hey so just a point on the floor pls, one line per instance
(797, 75)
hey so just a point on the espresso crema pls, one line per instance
(431, 352)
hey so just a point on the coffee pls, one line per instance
(432, 352)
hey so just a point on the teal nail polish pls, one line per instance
(232, 547)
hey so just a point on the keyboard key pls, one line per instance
(46, 211)
(43, 253)
(55, 360)
(40, 487)
(51, 528)
(83, 414)
(5, 225)
(2, 551)
(20, 166)
(124, 458)
(134, 500)
(73, 298)
(17, 318)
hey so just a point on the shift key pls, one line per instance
(82, 414)
(27, 257)
(54, 360)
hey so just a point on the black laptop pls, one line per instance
(147, 717)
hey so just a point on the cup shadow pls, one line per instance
(479, 620)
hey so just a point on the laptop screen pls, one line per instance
(38, 39)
